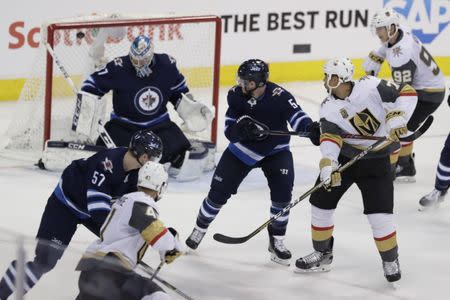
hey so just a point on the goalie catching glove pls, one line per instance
(197, 116)
(372, 63)
(329, 174)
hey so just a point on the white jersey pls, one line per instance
(363, 112)
(411, 63)
(116, 234)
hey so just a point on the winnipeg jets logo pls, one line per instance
(107, 165)
(252, 102)
(148, 100)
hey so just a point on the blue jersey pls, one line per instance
(87, 185)
(276, 108)
(139, 101)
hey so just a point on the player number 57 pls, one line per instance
(98, 178)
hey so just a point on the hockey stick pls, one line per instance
(102, 131)
(408, 138)
(239, 240)
(157, 270)
(149, 270)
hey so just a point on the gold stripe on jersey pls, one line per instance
(406, 150)
(334, 138)
(153, 231)
(141, 251)
(386, 243)
(321, 233)
(365, 122)
(407, 90)
(431, 90)
(110, 216)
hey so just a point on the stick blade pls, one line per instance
(418, 133)
(230, 240)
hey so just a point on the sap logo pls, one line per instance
(427, 18)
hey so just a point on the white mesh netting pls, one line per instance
(80, 48)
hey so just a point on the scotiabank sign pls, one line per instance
(21, 36)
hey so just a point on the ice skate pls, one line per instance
(406, 170)
(279, 253)
(392, 270)
(195, 238)
(432, 200)
(318, 261)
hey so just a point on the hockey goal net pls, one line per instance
(46, 104)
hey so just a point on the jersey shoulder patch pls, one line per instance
(388, 91)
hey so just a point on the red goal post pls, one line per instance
(194, 41)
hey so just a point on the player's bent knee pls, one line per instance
(47, 256)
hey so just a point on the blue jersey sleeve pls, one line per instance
(102, 81)
(295, 116)
(231, 116)
(179, 84)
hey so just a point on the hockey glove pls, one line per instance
(171, 255)
(372, 64)
(396, 125)
(248, 129)
(196, 115)
(329, 174)
(314, 133)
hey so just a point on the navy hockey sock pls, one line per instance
(278, 227)
(443, 170)
(207, 213)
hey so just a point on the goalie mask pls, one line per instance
(141, 55)
(146, 142)
(152, 176)
(384, 19)
(342, 68)
(254, 70)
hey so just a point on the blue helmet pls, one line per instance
(146, 142)
(254, 70)
(141, 55)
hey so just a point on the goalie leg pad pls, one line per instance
(57, 155)
(89, 111)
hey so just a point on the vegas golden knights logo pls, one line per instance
(365, 123)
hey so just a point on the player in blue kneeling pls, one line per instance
(142, 84)
(256, 104)
(83, 196)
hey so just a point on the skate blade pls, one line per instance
(321, 269)
(283, 262)
(393, 285)
(405, 179)
(429, 208)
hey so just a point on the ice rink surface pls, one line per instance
(218, 271)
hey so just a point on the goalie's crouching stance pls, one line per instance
(133, 224)
(142, 83)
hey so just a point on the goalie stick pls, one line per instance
(152, 272)
(239, 240)
(102, 131)
(415, 135)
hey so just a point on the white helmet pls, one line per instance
(385, 18)
(153, 176)
(341, 67)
